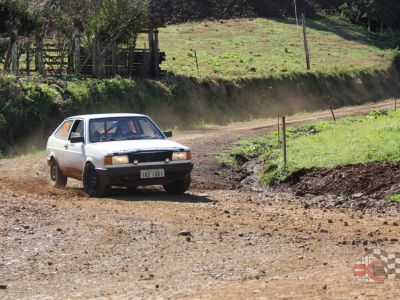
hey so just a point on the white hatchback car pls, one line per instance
(126, 150)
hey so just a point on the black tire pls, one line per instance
(92, 183)
(178, 187)
(60, 181)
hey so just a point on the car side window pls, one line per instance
(148, 128)
(78, 129)
(63, 131)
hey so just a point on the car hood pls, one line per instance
(138, 146)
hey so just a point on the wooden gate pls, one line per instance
(59, 60)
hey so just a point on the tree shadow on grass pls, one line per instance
(345, 30)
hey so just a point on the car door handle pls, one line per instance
(66, 146)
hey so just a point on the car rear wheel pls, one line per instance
(56, 175)
(178, 187)
(92, 182)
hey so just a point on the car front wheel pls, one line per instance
(178, 187)
(60, 181)
(92, 183)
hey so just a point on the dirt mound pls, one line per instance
(178, 11)
(376, 180)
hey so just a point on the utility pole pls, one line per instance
(306, 42)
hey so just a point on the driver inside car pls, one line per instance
(125, 128)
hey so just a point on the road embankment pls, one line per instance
(34, 106)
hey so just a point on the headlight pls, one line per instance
(182, 156)
(116, 160)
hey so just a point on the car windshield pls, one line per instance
(123, 129)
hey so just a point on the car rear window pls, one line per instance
(63, 131)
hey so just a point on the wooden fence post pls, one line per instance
(98, 59)
(144, 61)
(94, 56)
(77, 51)
(306, 42)
(101, 63)
(130, 61)
(197, 62)
(284, 141)
(151, 61)
(157, 53)
(333, 113)
(39, 63)
(14, 52)
(28, 59)
(395, 104)
(295, 12)
(114, 59)
(279, 130)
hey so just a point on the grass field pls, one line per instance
(352, 140)
(268, 47)
(264, 47)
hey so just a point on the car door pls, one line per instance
(59, 141)
(74, 154)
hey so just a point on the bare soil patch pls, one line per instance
(376, 180)
(363, 187)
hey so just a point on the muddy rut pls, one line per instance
(216, 242)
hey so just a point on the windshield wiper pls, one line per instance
(103, 140)
(139, 138)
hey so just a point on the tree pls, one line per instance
(380, 12)
(101, 23)
(111, 22)
(16, 19)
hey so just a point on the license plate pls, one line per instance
(156, 173)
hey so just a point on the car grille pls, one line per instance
(147, 157)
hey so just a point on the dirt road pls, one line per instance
(214, 242)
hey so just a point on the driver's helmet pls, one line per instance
(126, 127)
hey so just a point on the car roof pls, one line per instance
(102, 116)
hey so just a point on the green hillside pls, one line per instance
(264, 47)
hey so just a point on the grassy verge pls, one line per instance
(394, 198)
(352, 140)
(31, 154)
(271, 47)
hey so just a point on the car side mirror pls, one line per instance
(76, 138)
(168, 134)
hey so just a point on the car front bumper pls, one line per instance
(125, 176)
